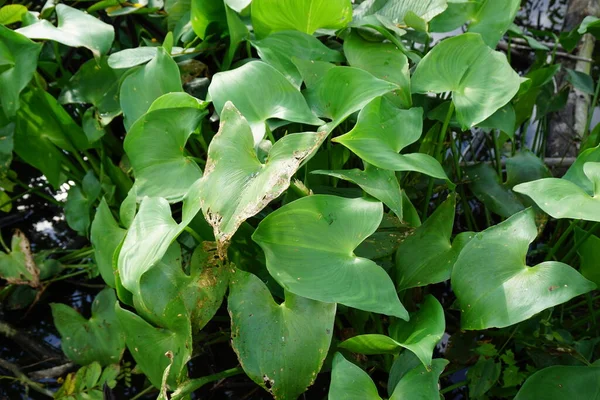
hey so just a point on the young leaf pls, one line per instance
(481, 80)
(349, 382)
(137, 95)
(301, 15)
(106, 236)
(379, 183)
(309, 246)
(507, 291)
(562, 382)
(561, 198)
(236, 184)
(427, 256)
(383, 130)
(279, 48)
(18, 266)
(75, 28)
(12, 13)
(280, 346)
(149, 347)
(97, 339)
(382, 60)
(155, 145)
(260, 93)
(483, 376)
(80, 201)
(20, 63)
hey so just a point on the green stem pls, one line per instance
(4, 244)
(195, 384)
(77, 255)
(143, 393)
(15, 198)
(38, 193)
(194, 234)
(561, 240)
(497, 154)
(438, 156)
(591, 112)
(452, 387)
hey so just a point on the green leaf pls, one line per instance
(280, 346)
(379, 183)
(419, 335)
(18, 267)
(12, 13)
(150, 235)
(309, 246)
(589, 253)
(493, 18)
(208, 16)
(97, 84)
(150, 346)
(580, 81)
(237, 185)
(504, 120)
(128, 58)
(396, 10)
(481, 79)
(155, 146)
(6, 148)
(483, 376)
(260, 93)
(382, 60)
(507, 291)
(590, 24)
(238, 32)
(106, 236)
(80, 202)
(97, 339)
(427, 255)
(485, 184)
(562, 382)
(342, 91)
(420, 383)
(279, 48)
(561, 198)
(75, 28)
(22, 55)
(137, 95)
(92, 374)
(349, 382)
(383, 130)
(301, 15)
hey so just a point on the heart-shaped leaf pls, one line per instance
(18, 266)
(340, 91)
(168, 348)
(75, 28)
(279, 48)
(97, 84)
(420, 383)
(208, 16)
(12, 13)
(507, 291)
(486, 185)
(260, 93)
(155, 145)
(382, 60)
(481, 79)
(97, 339)
(236, 184)
(150, 235)
(106, 236)
(562, 382)
(419, 335)
(21, 62)
(301, 15)
(382, 130)
(427, 255)
(280, 346)
(309, 246)
(379, 183)
(561, 198)
(136, 95)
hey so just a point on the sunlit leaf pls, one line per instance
(96, 339)
(309, 246)
(11, 13)
(75, 28)
(396, 10)
(481, 80)
(236, 184)
(208, 16)
(280, 346)
(302, 15)
(260, 93)
(383, 130)
(507, 291)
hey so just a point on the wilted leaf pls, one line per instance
(18, 266)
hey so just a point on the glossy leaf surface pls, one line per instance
(309, 246)
(106, 236)
(507, 291)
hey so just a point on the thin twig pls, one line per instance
(23, 378)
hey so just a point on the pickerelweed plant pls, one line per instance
(305, 163)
